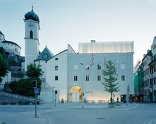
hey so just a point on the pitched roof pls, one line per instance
(1, 33)
(46, 54)
(11, 43)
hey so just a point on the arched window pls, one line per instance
(31, 34)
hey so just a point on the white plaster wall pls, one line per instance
(43, 67)
(31, 45)
(32, 25)
(70, 49)
(61, 84)
(93, 89)
(11, 48)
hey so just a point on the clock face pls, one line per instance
(30, 24)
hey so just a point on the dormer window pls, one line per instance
(45, 56)
(31, 34)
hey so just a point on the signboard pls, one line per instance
(36, 90)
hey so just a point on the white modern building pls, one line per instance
(77, 77)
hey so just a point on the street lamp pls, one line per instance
(128, 90)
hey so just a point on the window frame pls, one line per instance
(56, 68)
(75, 78)
(56, 78)
(87, 78)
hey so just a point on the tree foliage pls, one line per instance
(2, 51)
(110, 78)
(3, 67)
(24, 86)
(34, 70)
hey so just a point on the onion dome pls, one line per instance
(31, 15)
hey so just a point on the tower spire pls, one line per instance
(32, 6)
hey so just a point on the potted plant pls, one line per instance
(117, 102)
(111, 104)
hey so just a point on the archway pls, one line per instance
(75, 94)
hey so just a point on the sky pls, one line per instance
(65, 22)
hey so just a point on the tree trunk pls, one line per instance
(111, 97)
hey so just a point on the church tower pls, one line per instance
(32, 28)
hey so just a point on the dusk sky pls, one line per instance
(65, 22)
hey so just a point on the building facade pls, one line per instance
(31, 37)
(148, 66)
(138, 83)
(77, 77)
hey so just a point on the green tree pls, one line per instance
(24, 86)
(2, 51)
(109, 78)
(3, 67)
(34, 70)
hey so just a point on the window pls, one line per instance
(151, 81)
(56, 58)
(151, 69)
(75, 67)
(87, 67)
(87, 78)
(31, 34)
(99, 78)
(154, 80)
(56, 78)
(75, 78)
(56, 68)
(45, 56)
(123, 77)
(146, 83)
(99, 67)
(123, 66)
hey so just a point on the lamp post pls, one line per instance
(128, 90)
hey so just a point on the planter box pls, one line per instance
(4, 103)
(118, 104)
(111, 105)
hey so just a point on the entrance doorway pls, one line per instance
(76, 94)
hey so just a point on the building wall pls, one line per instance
(93, 89)
(43, 67)
(61, 84)
(31, 44)
(147, 76)
(12, 49)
